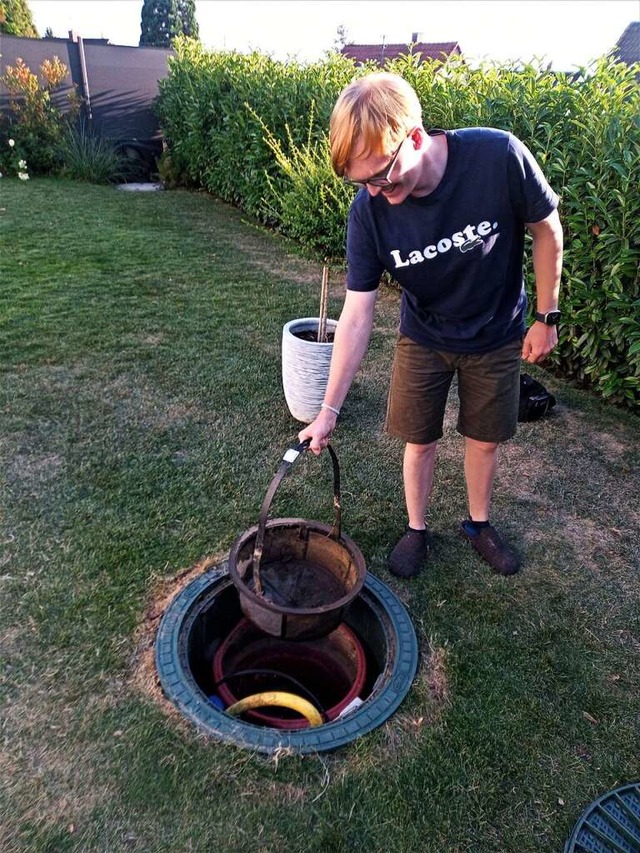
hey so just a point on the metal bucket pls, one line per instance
(296, 579)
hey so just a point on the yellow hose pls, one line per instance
(283, 700)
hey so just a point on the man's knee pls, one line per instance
(420, 450)
(489, 447)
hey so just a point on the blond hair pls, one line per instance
(376, 111)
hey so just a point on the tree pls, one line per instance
(187, 13)
(163, 20)
(16, 20)
(341, 39)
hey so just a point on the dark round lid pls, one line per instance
(611, 824)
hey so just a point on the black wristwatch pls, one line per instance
(551, 318)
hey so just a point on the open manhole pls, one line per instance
(207, 612)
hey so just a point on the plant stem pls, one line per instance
(322, 325)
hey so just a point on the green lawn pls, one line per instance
(141, 421)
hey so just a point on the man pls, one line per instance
(445, 213)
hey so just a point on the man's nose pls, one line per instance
(373, 190)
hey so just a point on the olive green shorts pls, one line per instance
(488, 391)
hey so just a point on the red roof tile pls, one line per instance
(379, 53)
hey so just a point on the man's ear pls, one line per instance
(417, 136)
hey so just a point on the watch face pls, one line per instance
(551, 318)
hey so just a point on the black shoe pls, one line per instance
(491, 547)
(409, 554)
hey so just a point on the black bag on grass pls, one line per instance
(535, 400)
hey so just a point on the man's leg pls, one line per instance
(411, 551)
(488, 387)
(417, 471)
(417, 399)
(480, 462)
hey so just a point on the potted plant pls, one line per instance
(307, 346)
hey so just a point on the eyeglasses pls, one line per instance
(380, 180)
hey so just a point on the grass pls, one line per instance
(141, 421)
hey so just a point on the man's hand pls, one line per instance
(319, 431)
(538, 342)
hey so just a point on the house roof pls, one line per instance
(379, 53)
(627, 47)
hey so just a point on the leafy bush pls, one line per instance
(213, 108)
(600, 176)
(12, 162)
(308, 203)
(16, 19)
(168, 174)
(34, 121)
(253, 132)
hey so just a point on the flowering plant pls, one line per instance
(32, 118)
(12, 163)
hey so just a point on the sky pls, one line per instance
(564, 33)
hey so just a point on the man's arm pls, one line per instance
(349, 346)
(547, 267)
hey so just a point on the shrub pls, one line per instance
(252, 131)
(12, 162)
(167, 173)
(33, 120)
(599, 171)
(307, 200)
(213, 107)
(85, 156)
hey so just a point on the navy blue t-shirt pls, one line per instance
(458, 252)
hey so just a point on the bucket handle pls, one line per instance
(288, 459)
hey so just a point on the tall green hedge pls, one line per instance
(253, 131)
(214, 107)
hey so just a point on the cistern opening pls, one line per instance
(358, 675)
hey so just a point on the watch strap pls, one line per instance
(549, 318)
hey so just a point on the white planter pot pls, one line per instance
(305, 368)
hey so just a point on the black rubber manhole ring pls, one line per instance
(611, 824)
(181, 688)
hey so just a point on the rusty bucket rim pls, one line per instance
(314, 526)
